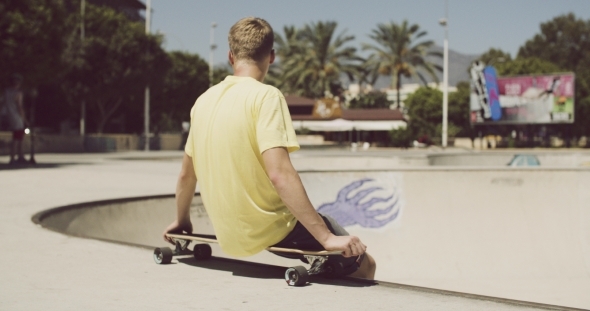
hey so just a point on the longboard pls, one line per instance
(294, 276)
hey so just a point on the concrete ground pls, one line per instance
(45, 270)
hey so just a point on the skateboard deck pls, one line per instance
(294, 276)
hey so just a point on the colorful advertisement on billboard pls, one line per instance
(535, 99)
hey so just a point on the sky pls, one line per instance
(474, 25)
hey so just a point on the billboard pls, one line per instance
(534, 99)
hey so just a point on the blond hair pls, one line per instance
(251, 39)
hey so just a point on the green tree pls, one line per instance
(522, 65)
(398, 54)
(285, 48)
(565, 42)
(425, 112)
(372, 100)
(313, 58)
(526, 66)
(583, 114)
(111, 68)
(368, 72)
(31, 39)
(582, 109)
(495, 56)
(186, 80)
(401, 137)
(582, 72)
(219, 73)
(289, 45)
(459, 109)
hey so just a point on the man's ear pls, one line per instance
(230, 56)
(272, 56)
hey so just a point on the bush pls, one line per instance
(402, 138)
(373, 100)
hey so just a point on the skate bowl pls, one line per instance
(512, 233)
(500, 159)
(337, 161)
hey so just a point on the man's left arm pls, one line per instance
(185, 191)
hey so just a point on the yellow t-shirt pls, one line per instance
(231, 125)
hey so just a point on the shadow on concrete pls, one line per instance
(25, 166)
(262, 271)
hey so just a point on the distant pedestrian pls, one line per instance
(15, 118)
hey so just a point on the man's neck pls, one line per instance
(252, 70)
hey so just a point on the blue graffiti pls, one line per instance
(349, 211)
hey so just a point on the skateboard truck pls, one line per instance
(164, 255)
(316, 263)
(181, 246)
(297, 276)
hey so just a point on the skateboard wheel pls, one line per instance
(296, 276)
(202, 251)
(162, 255)
(332, 269)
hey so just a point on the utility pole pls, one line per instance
(146, 107)
(445, 118)
(83, 104)
(212, 46)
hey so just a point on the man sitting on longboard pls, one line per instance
(238, 149)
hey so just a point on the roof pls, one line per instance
(294, 100)
(361, 115)
(341, 125)
(372, 114)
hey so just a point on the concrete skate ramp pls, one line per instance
(521, 234)
(502, 158)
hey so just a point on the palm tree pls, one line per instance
(285, 48)
(313, 58)
(368, 72)
(288, 46)
(397, 53)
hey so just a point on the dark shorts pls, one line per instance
(300, 238)
(18, 135)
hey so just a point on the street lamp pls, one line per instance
(212, 46)
(82, 34)
(445, 118)
(146, 107)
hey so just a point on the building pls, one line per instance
(408, 89)
(372, 125)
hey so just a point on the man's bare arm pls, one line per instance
(286, 181)
(185, 191)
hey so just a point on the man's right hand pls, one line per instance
(178, 227)
(349, 245)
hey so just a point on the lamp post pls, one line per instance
(83, 103)
(146, 107)
(445, 118)
(212, 47)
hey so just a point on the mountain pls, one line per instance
(458, 69)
